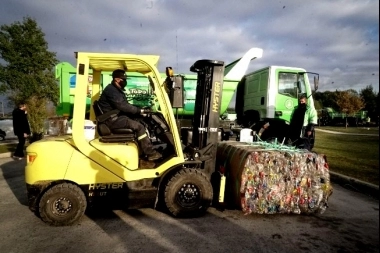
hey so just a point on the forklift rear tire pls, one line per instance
(62, 205)
(188, 193)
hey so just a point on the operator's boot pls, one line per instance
(148, 150)
(144, 164)
(154, 156)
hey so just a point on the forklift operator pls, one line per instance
(113, 97)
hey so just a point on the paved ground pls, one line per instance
(350, 224)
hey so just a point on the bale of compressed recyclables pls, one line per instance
(266, 178)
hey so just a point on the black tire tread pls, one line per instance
(207, 195)
(63, 188)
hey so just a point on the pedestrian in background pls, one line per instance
(368, 121)
(20, 128)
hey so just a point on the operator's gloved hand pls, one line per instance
(309, 129)
(145, 112)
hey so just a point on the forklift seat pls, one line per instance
(105, 133)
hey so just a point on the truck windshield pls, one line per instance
(287, 84)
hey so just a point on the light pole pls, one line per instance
(2, 107)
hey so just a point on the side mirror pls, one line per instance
(316, 82)
(297, 87)
(298, 83)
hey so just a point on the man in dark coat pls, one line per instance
(20, 128)
(113, 97)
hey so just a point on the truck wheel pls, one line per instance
(188, 193)
(62, 205)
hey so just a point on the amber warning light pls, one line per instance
(31, 158)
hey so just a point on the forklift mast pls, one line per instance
(207, 110)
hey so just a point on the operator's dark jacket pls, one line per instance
(20, 122)
(114, 98)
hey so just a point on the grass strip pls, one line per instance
(355, 156)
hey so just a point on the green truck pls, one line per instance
(267, 95)
(329, 117)
(138, 85)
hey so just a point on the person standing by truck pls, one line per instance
(302, 122)
(20, 128)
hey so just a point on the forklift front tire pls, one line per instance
(188, 194)
(62, 205)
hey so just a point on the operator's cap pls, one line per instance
(119, 73)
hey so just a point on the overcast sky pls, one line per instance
(337, 39)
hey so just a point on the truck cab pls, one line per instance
(269, 95)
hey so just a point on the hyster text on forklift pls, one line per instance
(67, 174)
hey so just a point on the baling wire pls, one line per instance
(274, 145)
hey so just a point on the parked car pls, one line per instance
(2, 135)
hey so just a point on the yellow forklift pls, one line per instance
(66, 175)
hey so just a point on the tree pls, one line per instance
(369, 97)
(28, 72)
(349, 102)
(318, 105)
(327, 99)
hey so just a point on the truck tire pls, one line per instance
(188, 193)
(62, 205)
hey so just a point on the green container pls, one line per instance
(136, 90)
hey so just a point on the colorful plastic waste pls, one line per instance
(267, 178)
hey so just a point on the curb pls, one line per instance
(5, 155)
(345, 181)
(355, 184)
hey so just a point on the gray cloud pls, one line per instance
(338, 39)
